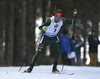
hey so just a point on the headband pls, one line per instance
(58, 14)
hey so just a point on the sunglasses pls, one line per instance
(58, 17)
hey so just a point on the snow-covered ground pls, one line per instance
(44, 72)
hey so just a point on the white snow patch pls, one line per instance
(45, 72)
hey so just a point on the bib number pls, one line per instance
(55, 30)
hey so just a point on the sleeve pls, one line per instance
(80, 42)
(48, 22)
(70, 41)
(98, 41)
(68, 49)
(67, 21)
(63, 44)
(92, 42)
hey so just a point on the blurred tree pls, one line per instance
(24, 46)
(2, 24)
(30, 29)
(1, 45)
(95, 13)
(9, 40)
(17, 39)
(44, 9)
(17, 32)
(19, 25)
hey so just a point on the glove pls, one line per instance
(74, 12)
(44, 28)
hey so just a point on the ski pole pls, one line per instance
(72, 24)
(69, 35)
(29, 54)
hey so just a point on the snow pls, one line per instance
(44, 72)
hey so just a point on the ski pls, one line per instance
(68, 73)
(63, 73)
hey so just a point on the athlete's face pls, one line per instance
(57, 18)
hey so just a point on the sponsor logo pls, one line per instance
(56, 26)
(42, 45)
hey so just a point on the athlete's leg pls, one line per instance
(56, 45)
(42, 45)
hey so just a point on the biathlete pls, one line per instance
(51, 28)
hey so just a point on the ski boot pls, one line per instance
(55, 70)
(29, 69)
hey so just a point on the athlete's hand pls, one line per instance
(44, 28)
(74, 12)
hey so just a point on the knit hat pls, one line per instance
(93, 30)
(76, 31)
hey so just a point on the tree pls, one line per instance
(94, 15)
(1, 45)
(30, 26)
(19, 23)
(2, 24)
(9, 40)
(44, 9)
(24, 7)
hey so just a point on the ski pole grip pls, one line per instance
(74, 12)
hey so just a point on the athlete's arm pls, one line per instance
(67, 21)
(48, 22)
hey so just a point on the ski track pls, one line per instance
(44, 72)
